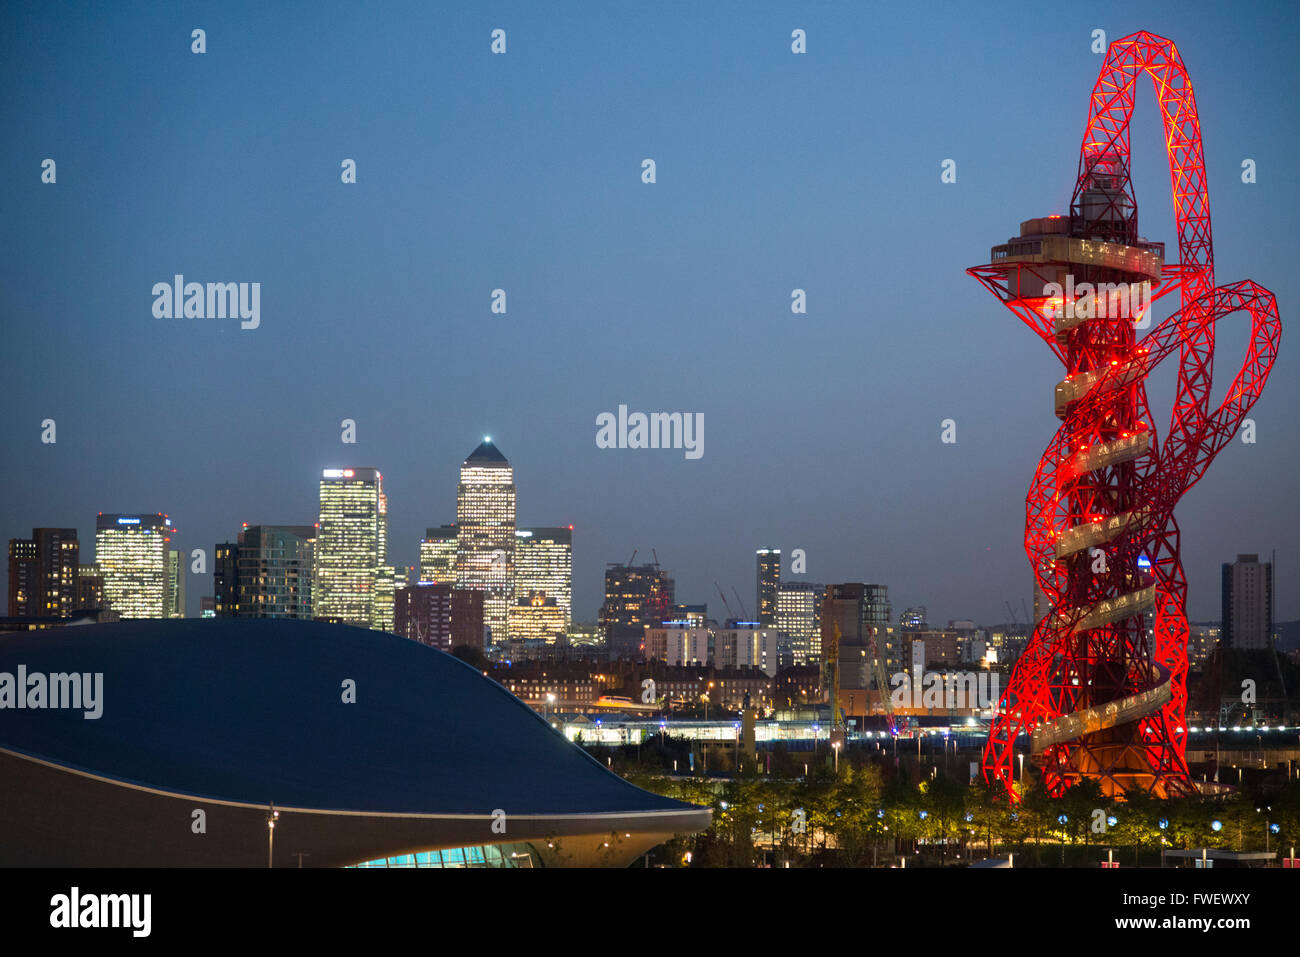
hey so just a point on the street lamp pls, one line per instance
(836, 747)
(550, 703)
(271, 816)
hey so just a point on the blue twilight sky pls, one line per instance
(523, 172)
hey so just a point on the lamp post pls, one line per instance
(836, 747)
(271, 815)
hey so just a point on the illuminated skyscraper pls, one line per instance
(351, 550)
(131, 552)
(485, 532)
(175, 584)
(438, 555)
(799, 617)
(544, 563)
(43, 573)
(769, 579)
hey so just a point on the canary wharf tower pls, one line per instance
(485, 532)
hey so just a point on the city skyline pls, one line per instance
(202, 585)
(824, 428)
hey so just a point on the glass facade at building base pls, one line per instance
(490, 855)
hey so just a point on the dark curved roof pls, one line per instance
(252, 711)
(487, 454)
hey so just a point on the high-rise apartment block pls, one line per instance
(746, 644)
(768, 581)
(1247, 603)
(43, 573)
(440, 615)
(267, 573)
(635, 596)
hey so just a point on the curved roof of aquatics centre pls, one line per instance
(247, 712)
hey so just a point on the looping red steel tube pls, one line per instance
(1098, 695)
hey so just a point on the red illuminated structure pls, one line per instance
(1100, 696)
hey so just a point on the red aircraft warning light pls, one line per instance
(1100, 695)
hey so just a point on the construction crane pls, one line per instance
(882, 681)
(724, 599)
(632, 559)
(832, 654)
(744, 614)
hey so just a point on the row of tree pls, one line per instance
(872, 813)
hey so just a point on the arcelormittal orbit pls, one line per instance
(1099, 694)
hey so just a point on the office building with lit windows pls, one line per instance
(768, 581)
(175, 584)
(351, 550)
(438, 555)
(388, 580)
(799, 618)
(536, 616)
(43, 573)
(485, 532)
(544, 563)
(131, 552)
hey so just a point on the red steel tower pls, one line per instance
(1101, 695)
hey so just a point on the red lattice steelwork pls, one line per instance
(1100, 696)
